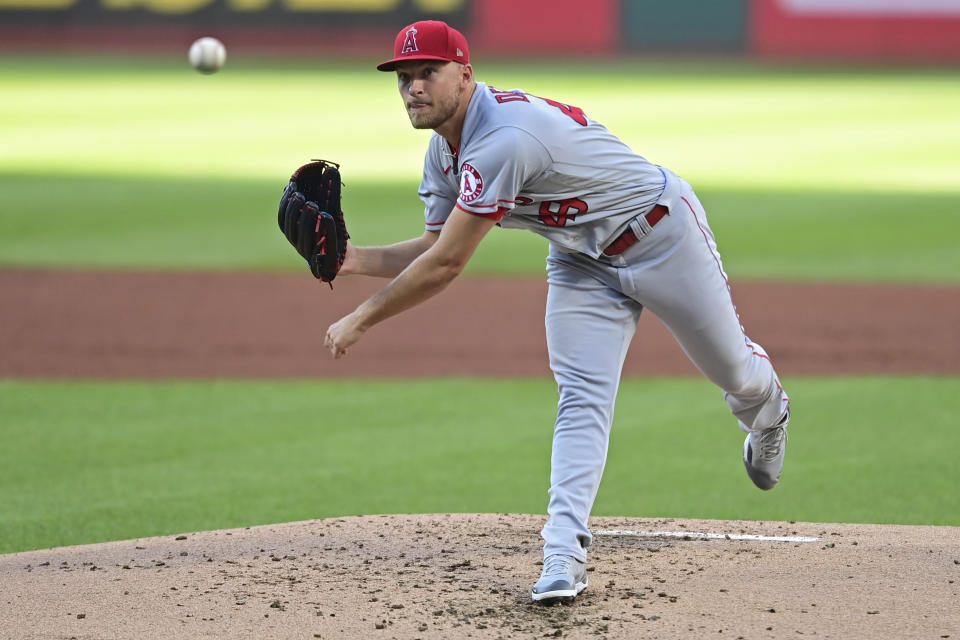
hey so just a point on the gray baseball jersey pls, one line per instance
(537, 164)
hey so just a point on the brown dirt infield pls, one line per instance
(56, 324)
(462, 576)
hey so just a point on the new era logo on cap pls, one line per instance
(428, 40)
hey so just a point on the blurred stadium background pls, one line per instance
(837, 30)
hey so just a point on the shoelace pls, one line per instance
(556, 565)
(769, 444)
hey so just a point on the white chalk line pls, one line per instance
(695, 535)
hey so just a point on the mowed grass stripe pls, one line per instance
(86, 462)
(176, 223)
(720, 125)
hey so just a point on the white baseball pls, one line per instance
(207, 55)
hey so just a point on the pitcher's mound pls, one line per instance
(468, 576)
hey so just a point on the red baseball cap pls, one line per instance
(428, 40)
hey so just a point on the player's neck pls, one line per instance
(452, 129)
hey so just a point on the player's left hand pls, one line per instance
(311, 218)
(343, 333)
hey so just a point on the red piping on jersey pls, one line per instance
(757, 353)
(707, 240)
(716, 259)
(767, 358)
(491, 206)
(719, 266)
(493, 215)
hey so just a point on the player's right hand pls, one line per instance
(343, 333)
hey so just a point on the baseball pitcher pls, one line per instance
(624, 234)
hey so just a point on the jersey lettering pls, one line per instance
(556, 213)
(509, 96)
(574, 113)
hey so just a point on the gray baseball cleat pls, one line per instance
(562, 579)
(763, 453)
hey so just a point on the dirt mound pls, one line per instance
(459, 576)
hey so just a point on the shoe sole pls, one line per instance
(560, 595)
(760, 479)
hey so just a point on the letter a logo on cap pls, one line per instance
(410, 43)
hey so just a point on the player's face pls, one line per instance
(430, 90)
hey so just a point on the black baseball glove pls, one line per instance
(312, 220)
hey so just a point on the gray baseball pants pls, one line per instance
(593, 306)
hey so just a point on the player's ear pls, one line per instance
(466, 74)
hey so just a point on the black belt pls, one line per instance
(628, 238)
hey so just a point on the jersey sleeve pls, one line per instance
(438, 194)
(495, 170)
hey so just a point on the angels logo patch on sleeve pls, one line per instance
(471, 183)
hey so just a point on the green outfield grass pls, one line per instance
(176, 223)
(86, 462)
(807, 174)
